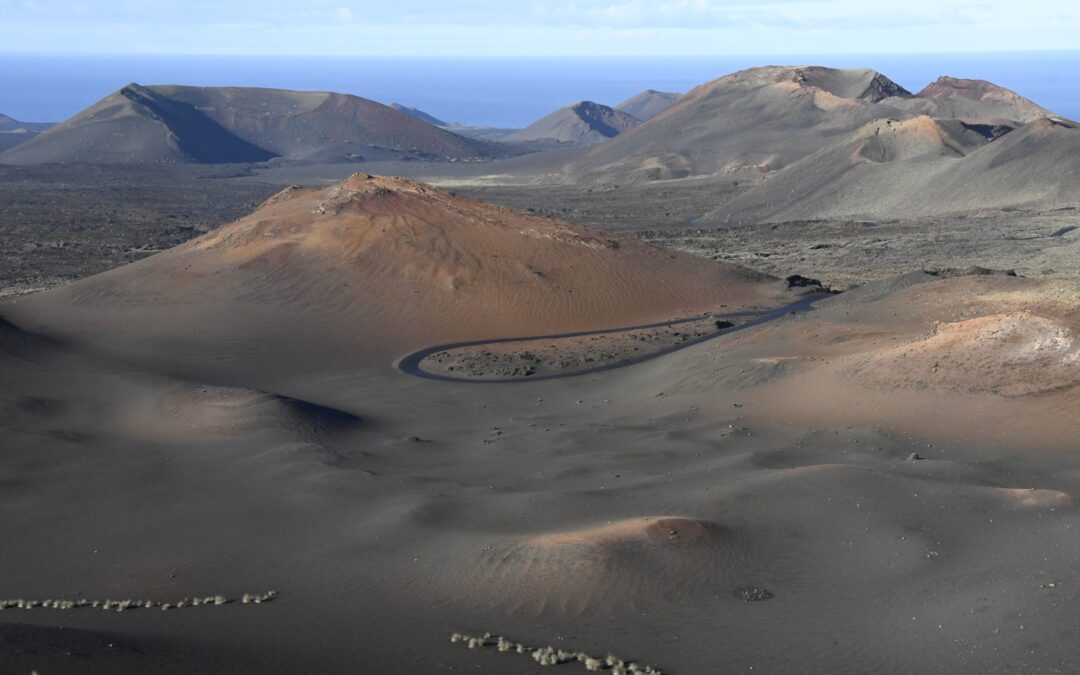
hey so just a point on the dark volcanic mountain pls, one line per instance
(950, 97)
(10, 124)
(13, 132)
(919, 167)
(821, 143)
(419, 114)
(755, 120)
(583, 122)
(648, 104)
(178, 124)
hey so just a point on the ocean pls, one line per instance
(502, 92)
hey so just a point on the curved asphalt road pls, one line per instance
(411, 364)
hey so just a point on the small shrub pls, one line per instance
(549, 656)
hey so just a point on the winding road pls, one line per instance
(410, 364)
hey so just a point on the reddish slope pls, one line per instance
(374, 268)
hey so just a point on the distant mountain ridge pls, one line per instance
(761, 120)
(13, 132)
(648, 104)
(12, 125)
(181, 124)
(584, 122)
(755, 120)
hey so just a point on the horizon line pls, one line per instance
(4, 53)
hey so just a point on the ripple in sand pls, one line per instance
(227, 411)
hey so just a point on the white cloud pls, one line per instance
(555, 27)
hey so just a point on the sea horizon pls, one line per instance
(484, 91)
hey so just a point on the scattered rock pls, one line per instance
(970, 271)
(752, 594)
(799, 281)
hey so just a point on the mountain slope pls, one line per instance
(137, 124)
(292, 123)
(583, 122)
(648, 104)
(419, 114)
(950, 97)
(13, 132)
(167, 123)
(755, 120)
(10, 124)
(374, 268)
(9, 139)
(919, 167)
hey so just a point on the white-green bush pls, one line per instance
(122, 605)
(550, 656)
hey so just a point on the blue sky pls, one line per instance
(536, 28)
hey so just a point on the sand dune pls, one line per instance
(807, 495)
(226, 411)
(617, 565)
(1012, 354)
(658, 531)
(584, 122)
(915, 347)
(168, 123)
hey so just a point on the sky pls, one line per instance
(535, 28)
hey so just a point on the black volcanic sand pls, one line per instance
(540, 357)
(626, 512)
(886, 484)
(59, 223)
